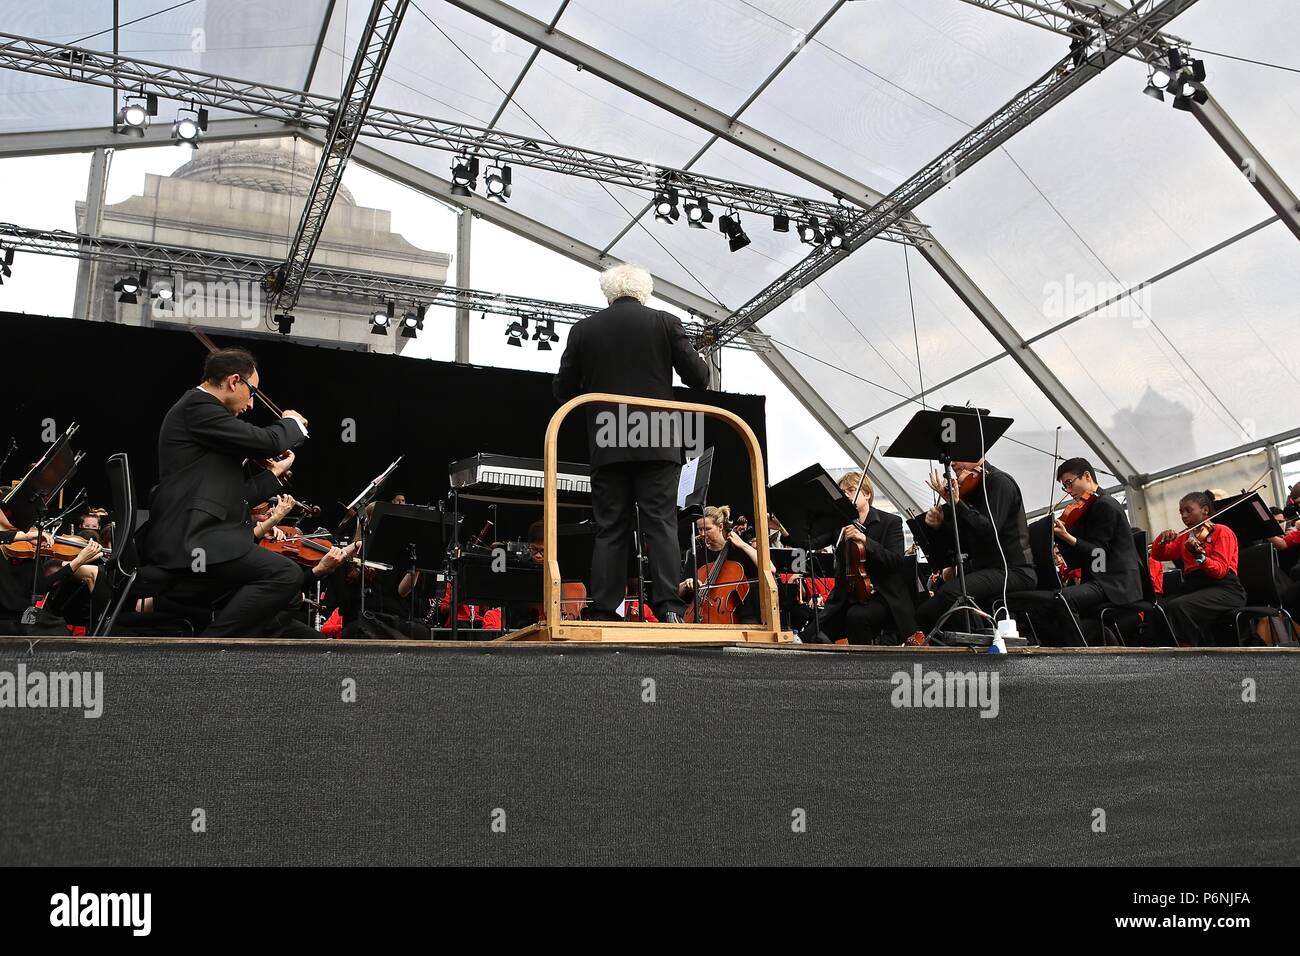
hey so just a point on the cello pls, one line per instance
(721, 587)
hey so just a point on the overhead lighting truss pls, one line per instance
(315, 111)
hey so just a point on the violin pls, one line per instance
(573, 598)
(308, 549)
(300, 509)
(65, 548)
(1073, 513)
(857, 576)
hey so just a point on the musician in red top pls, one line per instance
(1207, 553)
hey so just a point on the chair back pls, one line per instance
(122, 494)
(1257, 568)
(1144, 565)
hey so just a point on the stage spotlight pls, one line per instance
(516, 332)
(189, 129)
(1198, 71)
(498, 183)
(382, 318)
(835, 234)
(129, 287)
(545, 334)
(1153, 91)
(1160, 79)
(163, 294)
(133, 117)
(666, 206)
(697, 213)
(780, 222)
(284, 322)
(1176, 58)
(810, 232)
(729, 226)
(413, 322)
(6, 260)
(464, 176)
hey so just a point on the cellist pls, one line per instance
(861, 614)
(715, 533)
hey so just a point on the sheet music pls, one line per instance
(686, 484)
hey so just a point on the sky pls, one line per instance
(41, 192)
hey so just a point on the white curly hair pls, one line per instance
(624, 280)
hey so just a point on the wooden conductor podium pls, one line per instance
(554, 628)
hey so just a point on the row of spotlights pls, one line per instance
(188, 128)
(129, 286)
(1183, 79)
(544, 334)
(698, 216)
(464, 179)
(412, 322)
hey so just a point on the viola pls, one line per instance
(857, 576)
(299, 509)
(968, 481)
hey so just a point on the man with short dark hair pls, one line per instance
(199, 520)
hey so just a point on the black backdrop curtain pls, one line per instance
(118, 381)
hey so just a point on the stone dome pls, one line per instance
(285, 165)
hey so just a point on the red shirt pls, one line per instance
(1220, 553)
(1157, 575)
(1292, 538)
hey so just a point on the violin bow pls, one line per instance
(212, 346)
(1255, 486)
(861, 478)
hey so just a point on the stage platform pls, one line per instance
(330, 752)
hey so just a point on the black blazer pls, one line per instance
(201, 500)
(885, 559)
(982, 525)
(627, 349)
(1104, 538)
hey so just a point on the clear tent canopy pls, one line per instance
(1107, 190)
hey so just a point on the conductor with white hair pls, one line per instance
(631, 349)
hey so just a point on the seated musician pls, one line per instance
(16, 579)
(1093, 536)
(1208, 557)
(715, 535)
(990, 517)
(1287, 544)
(856, 616)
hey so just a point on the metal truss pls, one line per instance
(1069, 17)
(1046, 92)
(315, 111)
(371, 287)
(367, 67)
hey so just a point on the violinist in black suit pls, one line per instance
(636, 454)
(199, 520)
(890, 605)
(1093, 537)
(990, 514)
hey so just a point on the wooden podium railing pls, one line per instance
(554, 628)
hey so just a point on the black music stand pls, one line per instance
(952, 433)
(409, 536)
(357, 508)
(1247, 516)
(29, 501)
(814, 510)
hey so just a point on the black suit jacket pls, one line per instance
(627, 349)
(885, 561)
(201, 500)
(1104, 538)
(984, 525)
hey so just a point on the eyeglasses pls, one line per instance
(252, 389)
(1067, 482)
